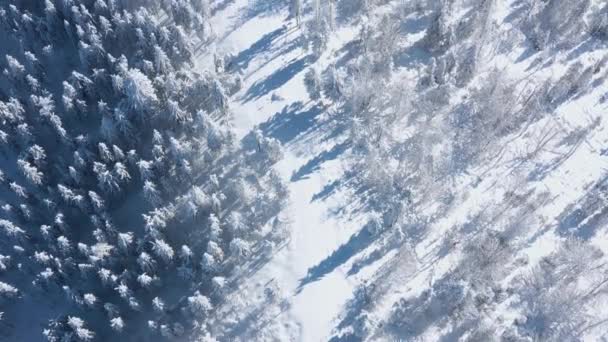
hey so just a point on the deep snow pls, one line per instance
(312, 270)
(273, 97)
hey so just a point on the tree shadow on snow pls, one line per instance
(261, 8)
(519, 10)
(327, 191)
(264, 44)
(415, 24)
(315, 163)
(347, 53)
(277, 79)
(292, 121)
(584, 217)
(353, 246)
(413, 55)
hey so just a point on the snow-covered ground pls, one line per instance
(444, 163)
(273, 97)
(312, 270)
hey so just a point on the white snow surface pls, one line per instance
(271, 58)
(315, 234)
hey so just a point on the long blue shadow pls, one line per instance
(264, 44)
(327, 190)
(264, 8)
(415, 24)
(585, 217)
(572, 224)
(413, 55)
(291, 121)
(355, 244)
(276, 80)
(314, 164)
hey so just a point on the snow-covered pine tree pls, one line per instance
(111, 150)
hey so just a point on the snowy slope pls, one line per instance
(319, 290)
(273, 97)
(387, 170)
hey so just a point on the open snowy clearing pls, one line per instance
(273, 66)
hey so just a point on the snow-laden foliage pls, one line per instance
(433, 114)
(445, 160)
(125, 195)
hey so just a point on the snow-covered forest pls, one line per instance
(303, 170)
